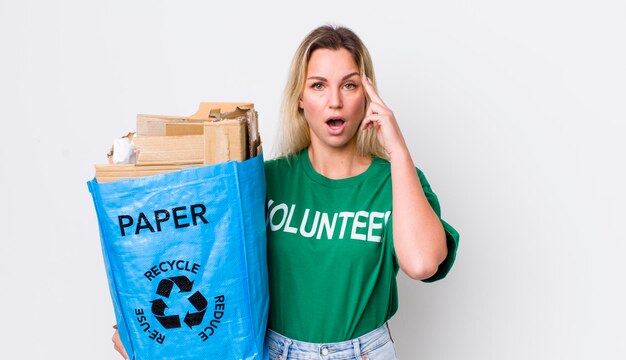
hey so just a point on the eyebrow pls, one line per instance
(324, 79)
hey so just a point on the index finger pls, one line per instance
(369, 89)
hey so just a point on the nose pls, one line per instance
(334, 99)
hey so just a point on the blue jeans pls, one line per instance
(375, 345)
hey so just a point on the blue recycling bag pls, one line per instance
(185, 255)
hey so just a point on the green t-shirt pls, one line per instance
(331, 260)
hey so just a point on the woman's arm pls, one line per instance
(418, 235)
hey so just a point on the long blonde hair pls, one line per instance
(293, 134)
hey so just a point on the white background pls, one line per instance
(514, 110)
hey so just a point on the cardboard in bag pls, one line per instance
(112, 172)
(217, 132)
(161, 150)
(155, 125)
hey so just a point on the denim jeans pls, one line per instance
(375, 345)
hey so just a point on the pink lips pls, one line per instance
(335, 125)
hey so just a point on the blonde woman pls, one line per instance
(347, 209)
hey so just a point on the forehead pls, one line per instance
(328, 62)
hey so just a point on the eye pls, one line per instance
(317, 86)
(350, 86)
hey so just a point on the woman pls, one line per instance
(334, 247)
(333, 253)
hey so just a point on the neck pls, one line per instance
(338, 163)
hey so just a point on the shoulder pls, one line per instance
(381, 164)
(277, 166)
(384, 166)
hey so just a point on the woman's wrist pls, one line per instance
(400, 154)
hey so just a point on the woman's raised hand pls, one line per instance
(382, 119)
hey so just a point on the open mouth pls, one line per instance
(335, 123)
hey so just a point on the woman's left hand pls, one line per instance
(382, 119)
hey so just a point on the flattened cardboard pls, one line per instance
(207, 110)
(254, 139)
(158, 150)
(155, 125)
(180, 129)
(112, 172)
(225, 140)
(217, 132)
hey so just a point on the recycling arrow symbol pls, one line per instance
(197, 300)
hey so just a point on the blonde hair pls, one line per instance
(293, 134)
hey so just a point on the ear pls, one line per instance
(300, 103)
